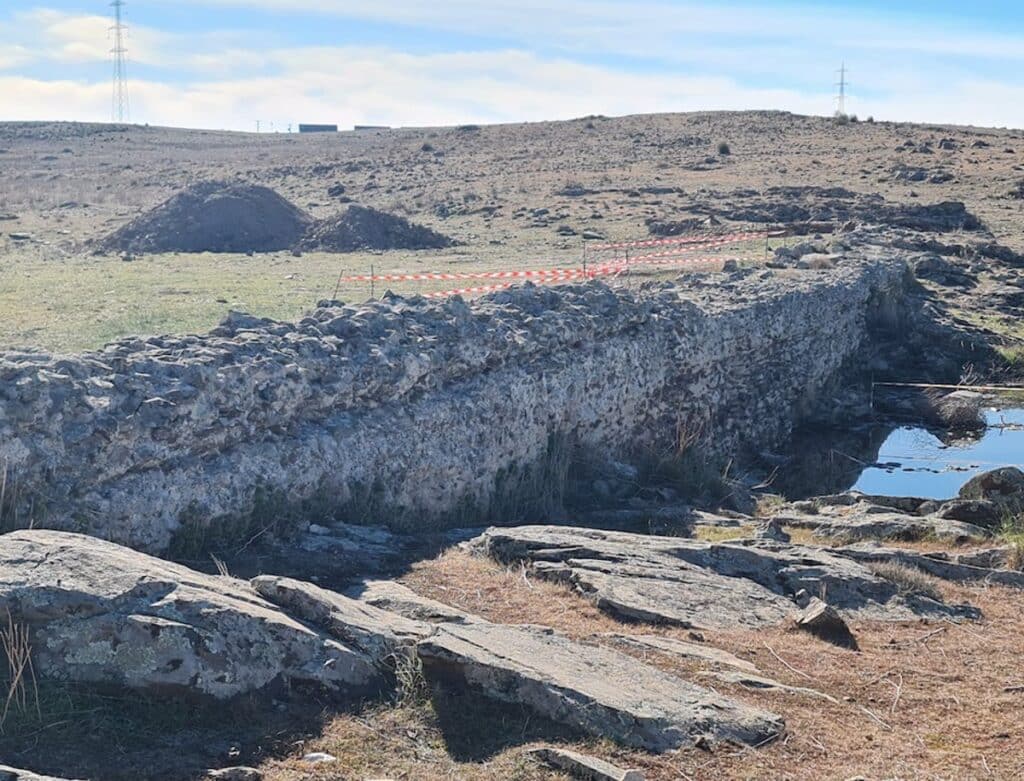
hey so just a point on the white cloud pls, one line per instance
(369, 85)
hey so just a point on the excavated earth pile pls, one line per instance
(215, 217)
(363, 228)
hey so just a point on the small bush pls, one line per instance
(724, 150)
(870, 120)
(842, 119)
(427, 147)
(908, 580)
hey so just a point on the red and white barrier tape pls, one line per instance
(728, 238)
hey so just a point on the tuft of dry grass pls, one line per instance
(909, 580)
(22, 689)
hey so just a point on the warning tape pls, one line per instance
(728, 238)
(541, 273)
(614, 270)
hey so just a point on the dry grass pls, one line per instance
(944, 698)
(909, 580)
(22, 690)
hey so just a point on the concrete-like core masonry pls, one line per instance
(419, 410)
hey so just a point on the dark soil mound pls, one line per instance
(362, 228)
(215, 217)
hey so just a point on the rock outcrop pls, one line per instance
(701, 584)
(101, 613)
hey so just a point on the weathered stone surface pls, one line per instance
(693, 583)
(955, 567)
(396, 598)
(129, 442)
(593, 689)
(752, 681)
(377, 633)
(102, 613)
(13, 774)
(671, 647)
(854, 517)
(1003, 486)
(822, 621)
(240, 773)
(581, 766)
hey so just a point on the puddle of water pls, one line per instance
(914, 462)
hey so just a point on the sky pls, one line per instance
(227, 64)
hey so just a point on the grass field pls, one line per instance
(78, 303)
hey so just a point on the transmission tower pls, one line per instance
(842, 84)
(119, 109)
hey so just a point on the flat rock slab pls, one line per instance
(593, 689)
(13, 774)
(960, 568)
(669, 646)
(864, 520)
(747, 583)
(588, 687)
(101, 613)
(584, 767)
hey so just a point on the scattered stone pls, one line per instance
(594, 689)
(20, 236)
(104, 614)
(319, 758)
(214, 217)
(236, 774)
(584, 767)
(363, 228)
(822, 621)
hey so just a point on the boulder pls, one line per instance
(1005, 486)
(100, 613)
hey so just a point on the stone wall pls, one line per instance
(418, 410)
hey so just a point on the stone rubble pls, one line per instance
(415, 410)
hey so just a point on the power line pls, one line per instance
(119, 108)
(842, 84)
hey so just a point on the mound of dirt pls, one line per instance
(215, 217)
(363, 228)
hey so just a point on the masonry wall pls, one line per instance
(417, 409)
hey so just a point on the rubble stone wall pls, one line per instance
(416, 408)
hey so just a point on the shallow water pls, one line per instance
(914, 462)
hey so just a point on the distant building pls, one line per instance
(364, 128)
(318, 128)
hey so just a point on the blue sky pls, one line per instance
(227, 63)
